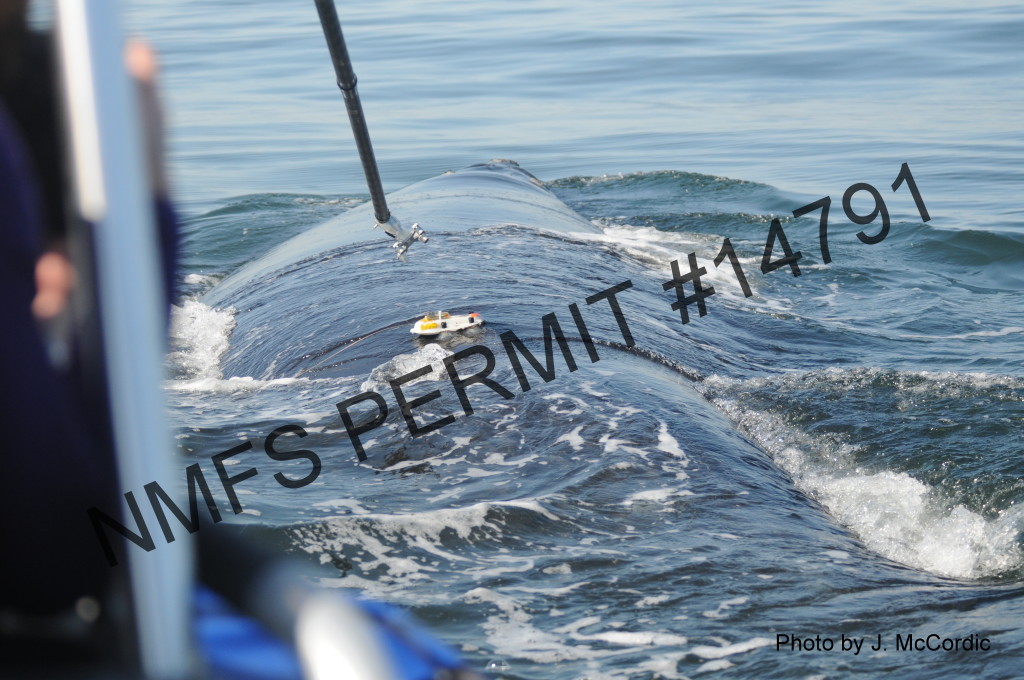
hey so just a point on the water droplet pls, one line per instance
(498, 665)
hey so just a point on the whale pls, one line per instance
(496, 193)
(326, 276)
(334, 303)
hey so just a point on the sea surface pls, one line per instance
(834, 457)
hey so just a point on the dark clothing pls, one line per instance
(33, 106)
(49, 465)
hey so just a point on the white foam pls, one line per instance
(652, 600)
(421, 530)
(505, 567)
(656, 248)
(510, 632)
(579, 406)
(716, 665)
(200, 280)
(635, 639)
(709, 652)
(432, 355)
(346, 503)
(575, 626)
(573, 438)
(935, 383)
(1008, 330)
(477, 472)
(723, 607)
(562, 568)
(903, 519)
(654, 496)
(837, 554)
(233, 385)
(201, 335)
(587, 387)
(377, 534)
(663, 667)
(550, 593)
(894, 514)
(669, 444)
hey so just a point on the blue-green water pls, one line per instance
(835, 455)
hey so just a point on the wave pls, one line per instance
(916, 505)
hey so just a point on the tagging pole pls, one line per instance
(346, 78)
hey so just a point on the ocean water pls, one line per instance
(834, 457)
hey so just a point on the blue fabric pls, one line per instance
(237, 648)
(417, 653)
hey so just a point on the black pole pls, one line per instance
(347, 83)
